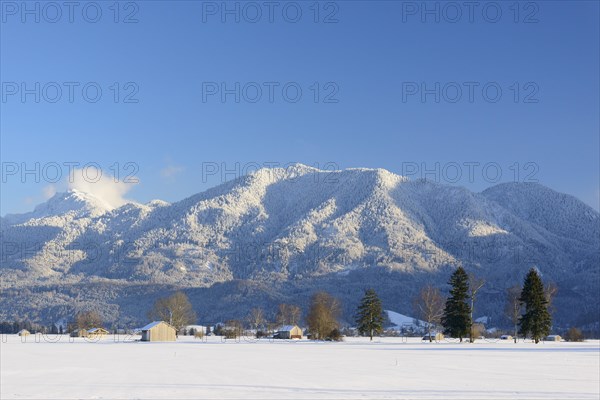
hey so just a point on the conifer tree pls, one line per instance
(370, 314)
(536, 320)
(457, 312)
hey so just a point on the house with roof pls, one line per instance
(288, 332)
(158, 331)
(97, 332)
(79, 333)
(553, 338)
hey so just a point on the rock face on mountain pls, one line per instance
(279, 234)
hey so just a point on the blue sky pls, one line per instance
(377, 68)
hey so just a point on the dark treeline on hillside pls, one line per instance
(15, 326)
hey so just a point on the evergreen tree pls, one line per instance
(536, 320)
(457, 312)
(370, 314)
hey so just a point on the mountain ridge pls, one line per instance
(301, 224)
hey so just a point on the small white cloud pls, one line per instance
(103, 186)
(49, 191)
(171, 170)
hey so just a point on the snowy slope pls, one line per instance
(403, 321)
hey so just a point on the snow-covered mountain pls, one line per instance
(73, 203)
(301, 227)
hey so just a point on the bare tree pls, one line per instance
(233, 329)
(271, 326)
(475, 283)
(429, 306)
(288, 314)
(256, 318)
(295, 313)
(322, 315)
(176, 310)
(88, 320)
(512, 310)
(550, 291)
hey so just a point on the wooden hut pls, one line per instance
(288, 332)
(97, 332)
(158, 331)
(553, 338)
(79, 333)
(435, 336)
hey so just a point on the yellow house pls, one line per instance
(288, 332)
(435, 336)
(97, 332)
(158, 331)
(553, 338)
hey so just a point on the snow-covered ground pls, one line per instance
(387, 368)
(403, 321)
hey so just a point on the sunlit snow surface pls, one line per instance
(388, 368)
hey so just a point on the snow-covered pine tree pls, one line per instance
(457, 313)
(370, 314)
(536, 320)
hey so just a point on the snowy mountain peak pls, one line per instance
(158, 203)
(72, 202)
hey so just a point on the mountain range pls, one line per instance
(277, 235)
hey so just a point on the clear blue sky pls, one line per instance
(374, 57)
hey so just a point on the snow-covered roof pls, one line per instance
(195, 327)
(152, 325)
(286, 328)
(94, 330)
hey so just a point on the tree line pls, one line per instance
(528, 307)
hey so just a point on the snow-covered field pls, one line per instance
(387, 368)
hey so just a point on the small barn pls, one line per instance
(97, 332)
(288, 332)
(553, 338)
(435, 336)
(23, 332)
(79, 333)
(158, 331)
